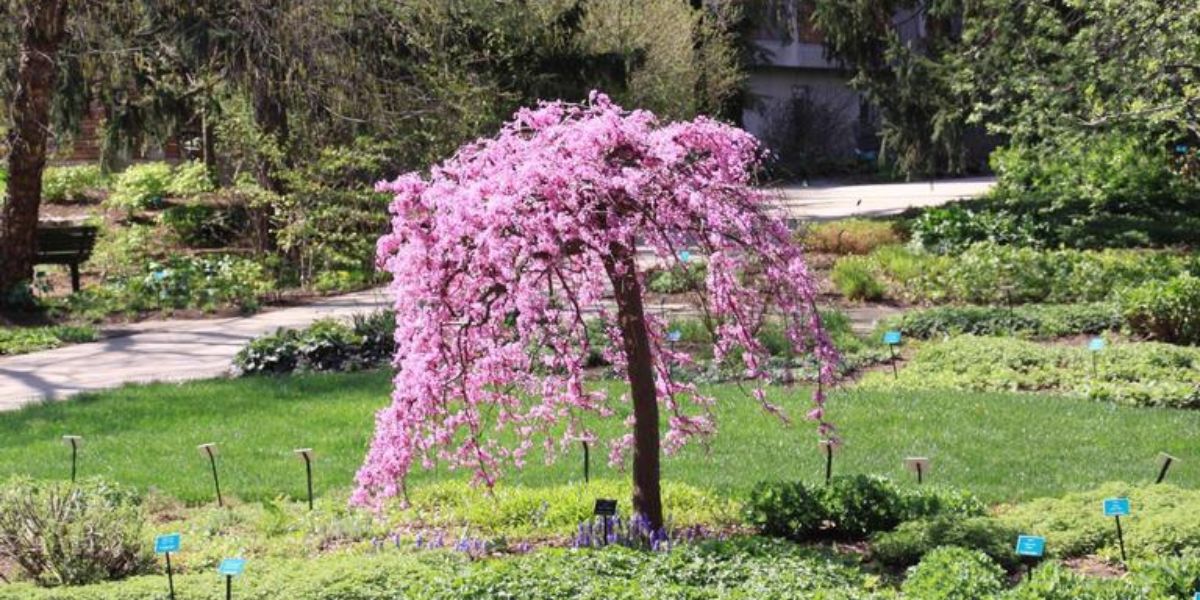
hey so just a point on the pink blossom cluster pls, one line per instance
(499, 257)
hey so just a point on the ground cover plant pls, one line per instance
(978, 440)
(1133, 373)
(19, 340)
(1029, 320)
(848, 236)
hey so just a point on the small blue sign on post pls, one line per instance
(685, 256)
(1096, 345)
(166, 543)
(1031, 545)
(232, 566)
(1196, 596)
(1116, 507)
(1181, 149)
(891, 338)
(674, 335)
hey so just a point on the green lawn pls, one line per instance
(1002, 447)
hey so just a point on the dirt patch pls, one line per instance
(1094, 566)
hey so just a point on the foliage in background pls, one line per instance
(952, 573)
(73, 184)
(854, 278)
(326, 345)
(912, 540)
(19, 340)
(60, 533)
(1166, 310)
(1028, 320)
(179, 282)
(140, 187)
(849, 507)
(678, 279)
(1137, 374)
(848, 236)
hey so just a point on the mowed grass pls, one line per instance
(1000, 446)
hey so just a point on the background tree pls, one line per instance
(500, 256)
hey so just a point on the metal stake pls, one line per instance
(170, 577)
(587, 463)
(1120, 538)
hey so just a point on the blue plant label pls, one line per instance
(166, 543)
(685, 256)
(1031, 545)
(1096, 345)
(891, 338)
(232, 566)
(674, 335)
(1116, 507)
(1182, 149)
(1196, 596)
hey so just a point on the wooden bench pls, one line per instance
(69, 245)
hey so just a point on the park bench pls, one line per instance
(69, 245)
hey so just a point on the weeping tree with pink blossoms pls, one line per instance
(502, 255)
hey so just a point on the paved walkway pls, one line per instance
(177, 350)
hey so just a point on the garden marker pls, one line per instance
(918, 465)
(1117, 508)
(828, 446)
(674, 335)
(74, 441)
(587, 461)
(892, 339)
(605, 509)
(1096, 346)
(210, 450)
(685, 256)
(306, 455)
(166, 544)
(231, 567)
(1166, 459)
(1030, 548)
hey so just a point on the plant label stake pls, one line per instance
(231, 567)
(587, 462)
(1030, 548)
(74, 441)
(918, 465)
(684, 256)
(827, 445)
(1008, 290)
(1117, 508)
(1166, 460)
(1096, 346)
(892, 339)
(166, 544)
(606, 509)
(306, 454)
(210, 450)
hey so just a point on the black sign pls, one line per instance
(605, 508)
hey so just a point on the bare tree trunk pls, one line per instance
(647, 493)
(270, 114)
(42, 31)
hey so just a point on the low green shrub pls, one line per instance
(1165, 310)
(140, 187)
(912, 540)
(848, 236)
(854, 278)
(189, 179)
(1165, 520)
(326, 345)
(678, 279)
(1054, 581)
(60, 533)
(1136, 374)
(206, 226)
(1032, 320)
(71, 184)
(955, 227)
(177, 283)
(20, 340)
(849, 507)
(952, 573)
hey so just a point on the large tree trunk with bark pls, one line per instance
(631, 314)
(42, 31)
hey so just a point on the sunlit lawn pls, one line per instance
(1000, 446)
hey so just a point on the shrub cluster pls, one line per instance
(73, 184)
(206, 225)
(1031, 320)
(988, 273)
(912, 540)
(19, 340)
(953, 573)
(145, 185)
(678, 279)
(1136, 374)
(1167, 310)
(854, 277)
(849, 507)
(326, 345)
(61, 533)
(178, 283)
(848, 236)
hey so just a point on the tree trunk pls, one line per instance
(647, 494)
(42, 31)
(270, 114)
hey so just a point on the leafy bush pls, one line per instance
(67, 534)
(206, 226)
(1053, 581)
(848, 236)
(849, 507)
(326, 345)
(19, 340)
(1165, 520)
(678, 279)
(1136, 374)
(71, 184)
(189, 179)
(955, 227)
(953, 573)
(1165, 310)
(178, 283)
(912, 540)
(853, 277)
(140, 186)
(1035, 320)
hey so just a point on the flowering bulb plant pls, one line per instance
(503, 251)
